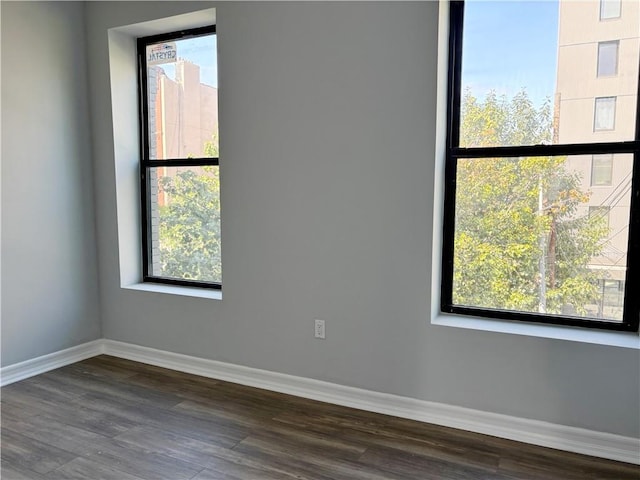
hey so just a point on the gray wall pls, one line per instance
(327, 138)
(49, 278)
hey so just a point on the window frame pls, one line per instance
(453, 152)
(146, 163)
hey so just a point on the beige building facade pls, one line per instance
(596, 98)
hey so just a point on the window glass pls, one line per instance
(508, 67)
(601, 169)
(530, 237)
(182, 98)
(610, 9)
(600, 212)
(527, 73)
(185, 223)
(612, 298)
(607, 58)
(605, 113)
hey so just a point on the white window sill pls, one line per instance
(558, 332)
(176, 290)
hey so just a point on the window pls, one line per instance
(600, 213)
(607, 58)
(179, 171)
(611, 297)
(604, 113)
(525, 238)
(610, 9)
(601, 170)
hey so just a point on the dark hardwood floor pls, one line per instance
(112, 419)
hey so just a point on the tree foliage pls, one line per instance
(189, 239)
(513, 212)
(499, 121)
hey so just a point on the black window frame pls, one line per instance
(146, 163)
(631, 315)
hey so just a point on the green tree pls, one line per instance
(517, 221)
(189, 237)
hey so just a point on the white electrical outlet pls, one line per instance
(319, 329)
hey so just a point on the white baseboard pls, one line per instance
(29, 368)
(572, 439)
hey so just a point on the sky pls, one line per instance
(510, 45)
(199, 51)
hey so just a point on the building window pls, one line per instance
(524, 236)
(611, 301)
(600, 213)
(601, 170)
(179, 170)
(610, 9)
(604, 113)
(607, 58)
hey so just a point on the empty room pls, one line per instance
(320, 240)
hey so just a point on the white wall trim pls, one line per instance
(572, 439)
(36, 366)
(562, 437)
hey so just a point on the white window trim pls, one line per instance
(629, 340)
(176, 290)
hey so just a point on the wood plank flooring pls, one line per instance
(112, 419)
